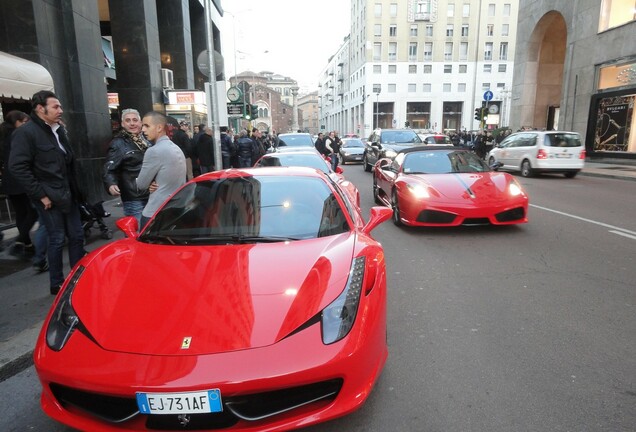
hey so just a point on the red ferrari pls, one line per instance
(447, 186)
(254, 300)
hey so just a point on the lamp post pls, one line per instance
(377, 109)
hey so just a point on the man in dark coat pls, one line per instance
(205, 150)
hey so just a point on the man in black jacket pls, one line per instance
(42, 161)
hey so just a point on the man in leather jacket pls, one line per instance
(42, 161)
(123, 163)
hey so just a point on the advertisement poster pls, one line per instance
(613, 124)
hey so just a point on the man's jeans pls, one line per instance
(58, 226)
(134, 208)
(40, 241)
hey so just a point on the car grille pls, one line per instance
(435, 216)
(252, 407)
(510, 215)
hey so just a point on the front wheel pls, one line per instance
(365, 163)
(526, 169)
(376, 195)
(396, 209)
(570, 174)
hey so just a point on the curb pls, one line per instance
(17, 352)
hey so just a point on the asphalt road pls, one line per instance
(529, 328)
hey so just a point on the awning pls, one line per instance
(20, 78)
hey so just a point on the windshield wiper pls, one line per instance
(162, 239)
(240, 238)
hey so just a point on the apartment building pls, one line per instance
(425, 64)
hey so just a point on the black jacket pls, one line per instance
(123, 163)
(205, 150)
(180, 138)
(41, 167)
(9, 184)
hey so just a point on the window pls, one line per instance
(377, 69)
(392, 88)
(378, 10)
(426, 88)
(487, 68)
(488, 51)
(413, 31)
(412, 88)
(505, 29)
(393, 10)
(412, 69)
(503, 51)
(377, 51)
(461, 87)
(464, 30)
(427, 69)
(450, 10)
(377, 88)
(491, 10)
(393, 69)
(413, 51)
(466, 10)
(501, 86)
(448, 51)
(449, 30)
(463, 51)
(377, 30)
(446, 88)
(506, 9)
(502, 67)
(392, 51)
(615, 13)
(463, 68)
(393, 30)
(490, 29)
(448, 69)
(428, 51)
(429, 30)
(485, 86)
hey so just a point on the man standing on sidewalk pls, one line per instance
(42, 161)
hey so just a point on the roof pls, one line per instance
(20, 78)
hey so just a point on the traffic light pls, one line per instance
(254, 111)
(247, 111)
(407, 124)
(478, 113)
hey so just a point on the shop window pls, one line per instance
(615, 13)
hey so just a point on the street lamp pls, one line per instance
(377, 108)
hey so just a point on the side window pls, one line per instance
(509, 142)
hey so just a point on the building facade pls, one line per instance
(575, 69)
(425, 64)
(308, 107)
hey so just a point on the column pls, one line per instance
(294, 91)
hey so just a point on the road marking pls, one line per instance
(613, 229)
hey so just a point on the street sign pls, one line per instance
(488, 95)
(235, 109)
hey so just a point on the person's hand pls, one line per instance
(114, 190)
(153, 187)
(46, 202)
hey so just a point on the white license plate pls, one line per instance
(180, 403)
(563, 155)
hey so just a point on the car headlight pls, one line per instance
(514, 189)
(339, 316)
(390, 153)
(64, 320)
(418, 191)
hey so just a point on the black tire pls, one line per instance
(395, 205)
(376, 196)
(526, 169)
(365, 163)
(570, 174)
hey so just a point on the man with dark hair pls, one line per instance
(228, 147)
(42, 161)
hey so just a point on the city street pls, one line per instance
(519, 328)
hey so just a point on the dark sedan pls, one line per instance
(351, 150)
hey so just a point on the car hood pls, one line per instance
(473, 188)
(148, 299)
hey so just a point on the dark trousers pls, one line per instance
(58, 226)
(25, 216)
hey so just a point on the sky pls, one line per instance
(293, 38)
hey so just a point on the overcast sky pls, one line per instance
(293, 38)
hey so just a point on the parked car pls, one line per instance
(294, 141)
(534, 152)
(253, 300)
(351, 150)
(447, 186)
(435, 139)
(386, 143)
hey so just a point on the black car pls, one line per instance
(386, 143)
(351, 150)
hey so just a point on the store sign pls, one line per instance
(186, 97)
(235, 109)
(113, 99)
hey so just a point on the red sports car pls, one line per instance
(447, 186)
(254, 300)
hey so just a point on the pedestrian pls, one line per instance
(164, 164)
(25, 213)
(259, 146)
(245, 150)
(331, 144)
(320, 145)
(123, 164)
(228, 149)
(44, 164)
(182, 140)
(205, 150)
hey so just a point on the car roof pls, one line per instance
(291, 171)
(434, 148)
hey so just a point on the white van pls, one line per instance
(534, 152)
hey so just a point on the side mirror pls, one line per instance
(378, 215)
(129, 226)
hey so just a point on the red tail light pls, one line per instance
(582, 154)
(541, 154)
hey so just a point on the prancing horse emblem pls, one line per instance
(186, 342)
(184, 419)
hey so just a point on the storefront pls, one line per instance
(187, 105)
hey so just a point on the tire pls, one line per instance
(365, 163)
(396, 209)
(570, 174)
(526, 169)
(376, 196)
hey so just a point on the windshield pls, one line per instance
(443, 162)
(248, 210)
(352, 143)
(294, 159)
(299, 140)
(408, 136)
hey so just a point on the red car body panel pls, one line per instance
(250, 311)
